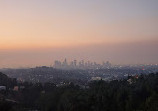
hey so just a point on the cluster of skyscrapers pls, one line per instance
(80, 65)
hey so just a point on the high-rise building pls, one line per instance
(75, 63)
(57, 64)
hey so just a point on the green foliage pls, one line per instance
(141, 95)
(6, 81)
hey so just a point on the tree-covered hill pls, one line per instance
(141, 95)
(138, 93)
(6, 81)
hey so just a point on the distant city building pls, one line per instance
(80, 65)
(2, 88)
(95, 78)
(57, 64)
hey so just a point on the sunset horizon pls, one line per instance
(95, 31)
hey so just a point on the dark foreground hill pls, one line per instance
(6, 81)
(138, 93)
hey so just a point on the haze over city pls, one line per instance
(78, 55)
(38, 32)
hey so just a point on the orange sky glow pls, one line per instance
(40, 25)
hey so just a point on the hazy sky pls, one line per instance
(36, 32)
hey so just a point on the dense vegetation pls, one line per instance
(140, 95)
(6, 81)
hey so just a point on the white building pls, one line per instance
(2, 88)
